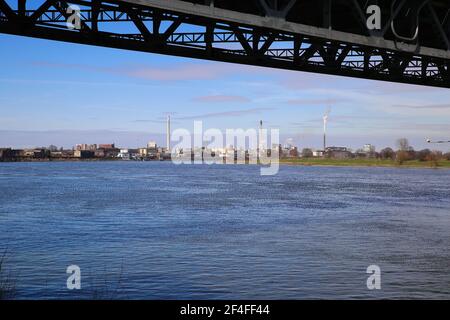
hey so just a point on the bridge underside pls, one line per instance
(279, 34)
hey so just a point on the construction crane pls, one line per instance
(440, 142)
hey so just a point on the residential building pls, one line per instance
(338, 153)
(5, 153)
(84, 154)
(368, 148)
(107, 146)
(318, 153)
(152, 145)
(86, 147)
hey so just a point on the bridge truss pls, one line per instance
(271, 33)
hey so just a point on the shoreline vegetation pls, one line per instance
(387, 163)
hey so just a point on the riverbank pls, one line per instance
(59, 160)
(366, 163)
(444, 164)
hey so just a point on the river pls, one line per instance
(154, 230)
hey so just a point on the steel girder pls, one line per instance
(159, 30)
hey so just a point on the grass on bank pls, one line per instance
(366, 163)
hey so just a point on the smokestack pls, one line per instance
(260, 138)
(325, 123)
(168, 135)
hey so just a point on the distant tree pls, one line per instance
(307, 153)
(447, 156)
(434, 158)
(387, 153)
(403, 156)
(405, 151)
(438, 154)
(403, 145)
(423, 155)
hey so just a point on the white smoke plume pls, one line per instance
(326, 116)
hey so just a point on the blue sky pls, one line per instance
(59, 93)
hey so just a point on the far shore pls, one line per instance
(18, 160)
(307, 162)
(441, 164)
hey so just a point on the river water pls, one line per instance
(153, 230)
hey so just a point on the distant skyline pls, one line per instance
(63, 94)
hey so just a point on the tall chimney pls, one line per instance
(168, 135)
(261, 138)
(325, 123)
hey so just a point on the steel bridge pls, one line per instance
(412, 44)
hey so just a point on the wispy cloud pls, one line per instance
(222, 99)
(307, 81)
(177, 73)
(180, 71)
(149, 121)
(155, 121)
(73, 83)
(185, 71)
(392, 88)
(326, 102)
(429, 106)
(233, 113)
